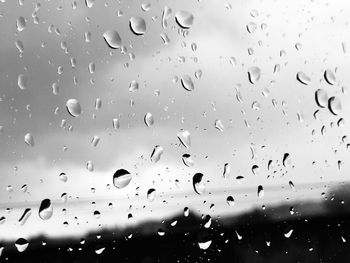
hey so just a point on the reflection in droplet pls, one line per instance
(137, 25)
(329, 77)
(334, 105)
(254, 74)
(45, 209)
(22, 81)
(148, 119)
(321, 98)
(121, 178)
(112, 39)
(198, 183)
(73, 107)
(156, 153)
(29, 139)
(303, 78)
(151, 194)
(187, 83)
(21, 244)
(185, 138)
(184, 19)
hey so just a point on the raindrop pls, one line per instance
(92, 67)
(219, 125)
(334, 105)
(21, 23)
(63, 177)
(286, 160)
(303, 78)
(291, 185)
(29, 139)
(255, 169)
(207, 221)
(260, 191)
(133, 86)
(161, 232)
(165, 16)
(204, 245)
(227, 170)
(97, 214)
(22, 81)
(137, 25)
(98, 104)
(90, 166)
(115, 123)
(21, 244)
(45, 209)
(146, 7)
(186, 211)
(251, 27)
(148, 119)
(99, 250)
(198, 74)
(254, 74)
(73, 107)
(89, 3)
(230, 201)
(112, 39)
(288, 234)
(151, 194)
(95, 140)
(187, 83)
(329, 77)
(187, 160)
(19, 46)
(156, 153)
(321, 98)
(121, 178)
(55, 88)
(185, 138)
(26, 214)
(184, 19)
(198, 183)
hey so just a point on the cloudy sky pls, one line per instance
(262, 121)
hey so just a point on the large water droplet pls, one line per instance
(156, 153)
(334, 105)
(329, 77)
(185, 138)
(21, 244)
(149, 120)
(151, 194)
(184, 19)
(22, 81)
(73, 107)
(198, 183)
(121, 178)
(112, 39)
(29, 139)
(303, 78)
(45, 209)
(137, 25)
(26, 214)
(321, 98)
(21, 23)
(254, 74)
(187, 83)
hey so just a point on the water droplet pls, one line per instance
(26, 214)
(137, 25)
(329, 77)
(112, 39)
(187, 83)
(89, 3)
(251, 27)
(204, 245)
(149, 120)
(291, 185)
(90, 166)
(45, 209)
(198, 183)
(207, 221)
(260, 191)
(288, 234)
(63, 177)
(219, 125)
(151, 194)
(115, 123)
(73, 107)
(95, 140)
(99, 251)
(92, 67)
(321, 98)
(227, 170)
(133, 86)
(184, 19)
(98, 103)
(19, 46)
(156, 153)
(165, 16)
(186, 211)
(303, 78)
(21, 244)
(22, 81)
(198, 74)
(97, 214)
(185, 138)
(286, 161)
(334, 105)
(21, 23)
(230, 201)
(187, 160)
(55, 88)
(121, 178)
(29, 139)
(255, 169)
(254, 74)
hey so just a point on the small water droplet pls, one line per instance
(156, 153)
(254, 74)
(204, 245)
(291, 185)
(95, 140)
(187, 83)
(21, 244)
(73, 107)
(288, 234)
(198, 183)
(29, 139)
(148, 119)
(121, 178)
(286, 161)
(187, 160)
(26, 214)
(230, 201)
(260, 191)
(90, 166)
(63, 177)
(89, 3)
(133, 86)
(185, 138)
(137, 25)
(22, 81)
(45, 209)
(255, 169)
(184, 19)
(20, 23)
(219, 125)
(227, 170)
(115, 123)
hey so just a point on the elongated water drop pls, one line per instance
(286, 161)
(20, 23)
(185, 138)
(121, 178)
(291, 185)
(45, 209)
(156, 153)
(165, 16)
(26, 214)
(198, 183)
(260, 191)
(148, 119)
(115, 123)
(151, 194)
(227, 170)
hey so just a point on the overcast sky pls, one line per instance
(295, 36)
